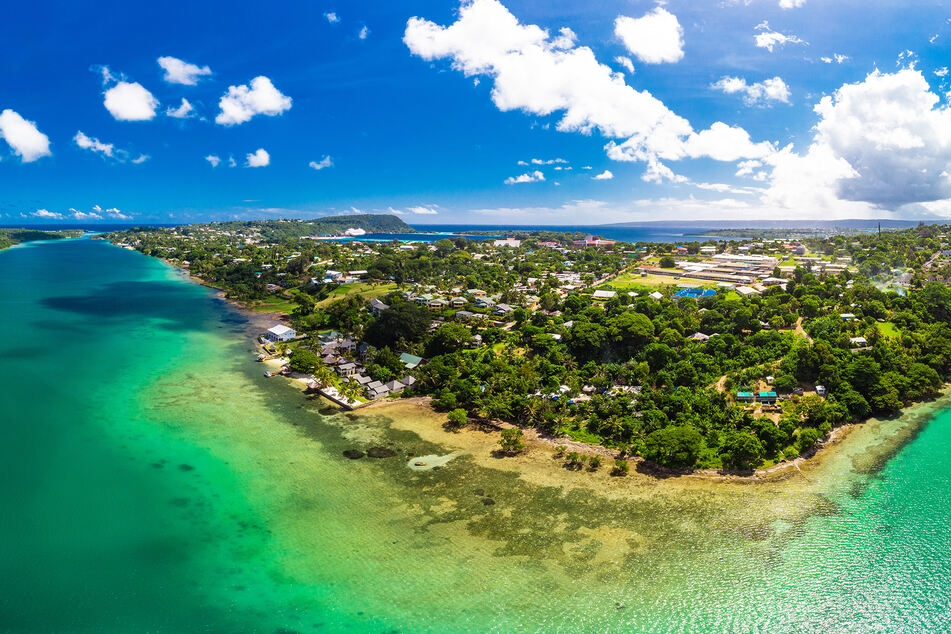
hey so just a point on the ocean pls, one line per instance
(156, 481)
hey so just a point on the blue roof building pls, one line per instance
(695, 293)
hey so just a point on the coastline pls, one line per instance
(537, 442)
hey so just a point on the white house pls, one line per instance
(280, 332)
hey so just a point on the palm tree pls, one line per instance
(323, 376)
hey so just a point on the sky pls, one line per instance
(486, 112)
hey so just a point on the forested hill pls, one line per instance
(9, 237)
(275, 230)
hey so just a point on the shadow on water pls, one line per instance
(162, 301)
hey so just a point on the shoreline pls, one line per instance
(824, 449)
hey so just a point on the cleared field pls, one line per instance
(364, 290)
(888, 329)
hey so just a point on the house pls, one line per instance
(474, 342)
(423, 300)
(484, 302)
(465, 315)
(656, 295)
(362, 379)
(846, 316)
(591, 241)
(502, 309)
(280, 332)
(769, 398)
(437, 304)
(821, 390)
(855, 342)
(698, 336)
(377, 390)
(745, 397)
(273, 288)
(694, 293)
(458, 302)
(603, 295)
(410, 360)
(377, 307)
(408, 381)
(348, 345)
(347, 369)
(475, 292)
(746, 291)
(394, 387)
(508, 242)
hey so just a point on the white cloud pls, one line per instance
(626, 63)
(880, 144)
(770, 39)
(94, 145)
(232, 162)
(759, 93)
(529, 177)
(184, 111)
(332, 17)
(606, 175)
(141, 158)
(50, 215)
(421, 209)
(241, 103)
(130, 102)
(364, 32)
(23, 137)
(942, 72)
(837, 58)
(213, 160)
(554, 161)
(791, 4)
(654, 39)
(259, 159)
(323, 164)
(540, 75)
(178, 71)
(115, 213)
(82, 215)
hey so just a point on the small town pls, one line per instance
(727, 353)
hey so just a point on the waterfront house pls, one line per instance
(377, 390)
(280, 332)
(394, 387)
(347, 369)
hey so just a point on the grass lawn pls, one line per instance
(633, 281)
(366, 291)
(274, 305)
(888, 329)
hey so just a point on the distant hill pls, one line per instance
(855, 223)
(330, 225)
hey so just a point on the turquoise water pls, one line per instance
(155, 481)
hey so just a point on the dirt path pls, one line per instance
(800, 331)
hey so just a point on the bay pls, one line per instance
(154, 480)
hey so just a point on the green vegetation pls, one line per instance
(525, 342)
(10, 237)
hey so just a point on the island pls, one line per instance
(720, 355)
(12, 236)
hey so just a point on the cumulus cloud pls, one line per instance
(94, 145)
(259, 159)
(332, 17)
(770, 39)
(554, 161)
(423, 209)
(241, 103)
(364, 32)
(759, 93)
(213, 160)
(130, 102)
(23, 137)
(178, 71)
(49, 215)
(184, 111)
(540, 75)
(529, 177)
(606, 175)
(625, 62)
(881, 143)
(655, 38)
(791, 4)
(322, 164)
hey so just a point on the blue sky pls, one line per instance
(483, 112)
